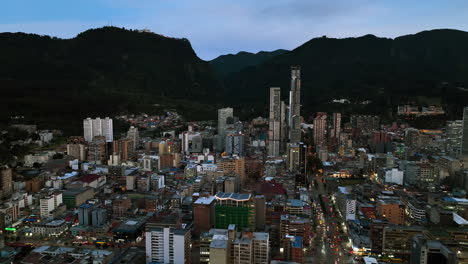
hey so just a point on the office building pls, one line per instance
(320, 129)
(77, 151)
(168, 245)
(73, 198)
(125, 148)
(98, 127)
(391, 209)
(234, 208)
(133, 134)
(233, 165)
(295, 94)
(235, 144)
(192, 142)
(397, 240)
(454, 136)
(292, 225)
(260, 212)
(50, 203)
(98, 217)
(223, 115)
(215, 246)
(89, 215)
(251, 247)
(53, 228)
(203, 214)
(97, 150)
(274, 122)
(336, 126)
(295, 118)
(84, 214)
(426, 251)
(296, 156)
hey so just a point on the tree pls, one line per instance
(35, 137)
(57, 156)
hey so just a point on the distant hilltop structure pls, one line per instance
(425, 111)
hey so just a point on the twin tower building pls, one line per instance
(284, 133)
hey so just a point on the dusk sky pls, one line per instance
(217, 27)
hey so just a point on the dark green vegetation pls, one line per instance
(107, 71)
(232, 63)
(414, 68)
(101, 72)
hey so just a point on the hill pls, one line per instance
(430, 64)
(101, 72)
(231, 63)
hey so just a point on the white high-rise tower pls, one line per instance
(98, 127)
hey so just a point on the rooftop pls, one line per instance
(89, 178)
(219, 244)
(205, 200)
(233, 196)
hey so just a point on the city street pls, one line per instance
(331, 246)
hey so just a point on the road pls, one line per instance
(331, 245)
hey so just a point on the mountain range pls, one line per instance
(430, 67)
(232, 63)
(112, 70)
(102, 72)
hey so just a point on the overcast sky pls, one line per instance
(217, 27)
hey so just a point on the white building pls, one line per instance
(394, 176)
(114, 160)
(167, 245)
(98, 127)
(45, 136)
(350, 209)
(131, 182)
(157, 182)
(40, 158)
(52, 228)
(50, 203)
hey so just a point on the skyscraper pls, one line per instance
(98, 127)
(97, 150)
(295, 93)
(223, 115)
(295, 105)
(88, 129)
(235, 144)
(320, 126)
(464, 144)
(336, 127)
(275, 126)
(134, 135)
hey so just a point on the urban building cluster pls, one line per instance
(339, 187)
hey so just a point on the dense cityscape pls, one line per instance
(280, 188)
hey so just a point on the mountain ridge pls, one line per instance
(101, 71)
(230, 63)
(383, 70)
